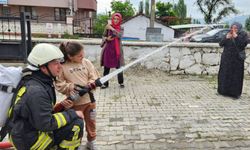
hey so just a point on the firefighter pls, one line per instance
(34, 124)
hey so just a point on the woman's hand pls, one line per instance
(234, 35)
(67, 104)
(109, 27)
(109, 38)
(229, 36)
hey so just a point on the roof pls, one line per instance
(186, 26)
(126, 20)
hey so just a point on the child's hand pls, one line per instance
(79, 114)
(67, 104)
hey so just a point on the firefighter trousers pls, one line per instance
(66, 138)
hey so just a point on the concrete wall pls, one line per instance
(39, 28)
(179, 58)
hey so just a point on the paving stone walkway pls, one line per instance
(158, 111)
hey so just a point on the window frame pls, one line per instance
(61, 16)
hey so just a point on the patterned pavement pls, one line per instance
(158, 111)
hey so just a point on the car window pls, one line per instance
(222, 33)
(212, 32)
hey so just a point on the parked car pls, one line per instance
(212, 36)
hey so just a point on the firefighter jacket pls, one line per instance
(33, 111)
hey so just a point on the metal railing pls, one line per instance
(15, 37)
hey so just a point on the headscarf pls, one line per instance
(238, 25)
(117, 27)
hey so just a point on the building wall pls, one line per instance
(43, 11)
(137, 26)
(86, 4)
(41, 3)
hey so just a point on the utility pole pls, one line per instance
(152, 14)
(71, 7)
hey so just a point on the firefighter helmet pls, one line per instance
(43, 53)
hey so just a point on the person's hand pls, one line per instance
(110, 27)
(234, 34)
(67, 104)
(79, 114)
(98, 82)
(109, 38)
(82, 89)
(229, 36)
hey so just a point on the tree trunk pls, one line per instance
(152, 14)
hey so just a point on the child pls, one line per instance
(79, 71)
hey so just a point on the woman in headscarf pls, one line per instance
(231, 72)
(112, 53)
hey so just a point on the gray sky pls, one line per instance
(192, 10)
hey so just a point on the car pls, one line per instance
(212, 36)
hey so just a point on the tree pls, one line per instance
(164, 9)
(196, 21)
(215, 10)
(247, 24)
(227, 25)
(141, 6)
(100, 23)
(181, 9)
(147, 7)
(126, 8)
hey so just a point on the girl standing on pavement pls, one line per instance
(112, 52)
(79, 71)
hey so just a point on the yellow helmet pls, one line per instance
(43, 53)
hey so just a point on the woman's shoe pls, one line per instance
(122, 85)
(236, 97)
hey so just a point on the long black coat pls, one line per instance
(231, 72)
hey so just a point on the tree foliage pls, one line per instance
(180, 9)
(164, 9)
(100, 23)
(227, 25)
(125, 8)
(215, 10)
(247, 24)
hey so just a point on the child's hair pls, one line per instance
(70, 48)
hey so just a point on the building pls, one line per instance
(72, 16)
(136, 27)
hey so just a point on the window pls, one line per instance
(30, 10)
(5, 11)
(60, 14)
(86, 14)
